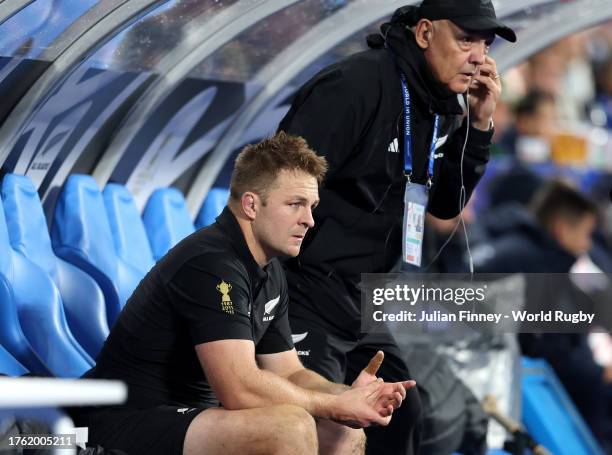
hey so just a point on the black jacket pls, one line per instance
(351, 113)
(518, 245)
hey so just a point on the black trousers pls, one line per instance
(324, 334)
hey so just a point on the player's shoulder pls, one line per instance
(206, 251)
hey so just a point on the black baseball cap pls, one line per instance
(475, 15)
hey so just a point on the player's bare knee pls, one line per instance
(298, 419)
(298, 427)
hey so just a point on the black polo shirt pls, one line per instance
(207, 288)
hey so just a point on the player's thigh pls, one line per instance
(281, 429)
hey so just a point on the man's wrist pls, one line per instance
(338, 389)
(308, 379)
(323, 406)
(483, 125)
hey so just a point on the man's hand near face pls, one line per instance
(484, 93)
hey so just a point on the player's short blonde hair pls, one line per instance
(258, 165)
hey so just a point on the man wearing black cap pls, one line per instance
(389, 122)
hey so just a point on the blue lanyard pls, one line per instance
(408, 135)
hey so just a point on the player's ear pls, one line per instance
(249, 202)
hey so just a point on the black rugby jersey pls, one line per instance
(207, 288)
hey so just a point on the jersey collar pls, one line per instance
(230, 227)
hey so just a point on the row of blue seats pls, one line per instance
(61, 291)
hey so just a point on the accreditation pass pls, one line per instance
(414, 225)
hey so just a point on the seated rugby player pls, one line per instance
(205, 346)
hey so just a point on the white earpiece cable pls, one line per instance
(462, 199)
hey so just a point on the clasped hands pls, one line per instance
(370, 400)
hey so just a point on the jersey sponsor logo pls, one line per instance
(268, 307)
(226, 302)
(393, 146)
(297, 337)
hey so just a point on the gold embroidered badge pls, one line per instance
(226, 302)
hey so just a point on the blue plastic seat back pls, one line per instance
(9, 366)
(134, 255)
(26, 222)
(81, 235)
(166, 220)
(213, 205)
(39, 336)
(42, 318)
(11, 333)
(5, 244)
(82, 297)
(549, 414)
(127, 227)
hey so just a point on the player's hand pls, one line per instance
(368, 374)
(357, 407)
(392, 393)
(484, 94)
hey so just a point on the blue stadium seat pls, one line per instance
(83, 300)
(129, 234)
(213, 205)
(9, 366)
(81, 235)
(40, 314)
(166, 220)
(549, 414)
(11, 333)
